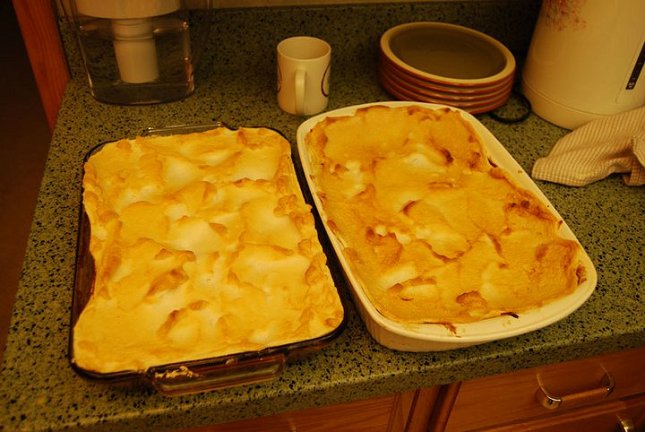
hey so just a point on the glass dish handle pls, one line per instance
(182, 128)
(197, 379)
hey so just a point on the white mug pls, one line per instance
(303, 75)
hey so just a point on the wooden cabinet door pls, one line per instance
(383, 414)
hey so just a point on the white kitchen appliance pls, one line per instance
(586, 60)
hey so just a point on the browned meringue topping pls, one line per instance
(203, 246)
(432, 230)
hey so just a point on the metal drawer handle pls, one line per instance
(625, 425)
(550, 401)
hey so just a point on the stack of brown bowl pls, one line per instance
(446, 64)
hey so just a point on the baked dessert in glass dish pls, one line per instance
(443, 237)
(199, 265)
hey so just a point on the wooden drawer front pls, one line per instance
(511, 397)
(612, 416)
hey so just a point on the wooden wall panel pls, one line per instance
(40, 33)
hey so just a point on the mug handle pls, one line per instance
(300, 80)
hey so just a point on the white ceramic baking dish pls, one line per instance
(435, 337)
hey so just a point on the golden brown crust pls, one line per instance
(432, 230)
(203, 246)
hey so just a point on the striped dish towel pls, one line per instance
(614, 144)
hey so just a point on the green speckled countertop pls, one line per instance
(40, 391)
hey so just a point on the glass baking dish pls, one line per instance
(193, 376)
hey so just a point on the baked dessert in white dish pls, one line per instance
(433, 230)
(203, 246)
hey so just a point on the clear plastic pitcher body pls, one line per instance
(133, 56)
